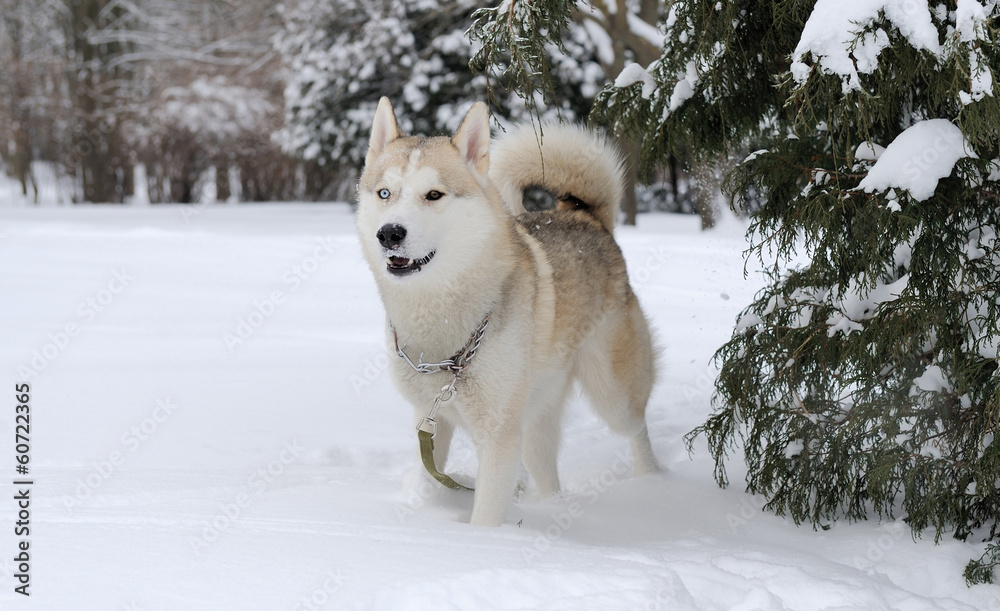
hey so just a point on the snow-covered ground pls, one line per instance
(212, 428)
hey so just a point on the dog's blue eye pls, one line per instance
(383, 193)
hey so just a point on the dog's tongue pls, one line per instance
(399, 261)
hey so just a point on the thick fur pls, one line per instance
(555, 282)
(581, 170)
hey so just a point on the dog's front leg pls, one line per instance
(497, 436)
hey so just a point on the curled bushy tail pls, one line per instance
(580, 168)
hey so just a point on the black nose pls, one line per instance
(391, 236)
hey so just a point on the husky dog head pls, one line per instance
(426, 208)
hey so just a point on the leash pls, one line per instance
(427, 427)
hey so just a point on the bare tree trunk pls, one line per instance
(222, 191)
(20, 154)
(707, 178)
(648, 10)
(125, 186)
(95, 138)
(620, 31)
(630, 203)
(644, 52)
(706, 186)
(21, 157)
(673, 167)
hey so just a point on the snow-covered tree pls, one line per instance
(201, 84)
(875, 363)
(201, 125)
(343, 55)
(613, 32)
(27, 116)
(92, 87)
(863, 381)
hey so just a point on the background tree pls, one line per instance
(93, 87)
(98, 86)
(32, 119)
(863, 380)
(15, 103)
(203, 82)
(343, 55)
(628, 30)
(617, 31)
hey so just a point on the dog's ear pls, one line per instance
(473, 137)
(384, 130)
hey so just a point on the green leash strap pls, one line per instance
(456, 365)
(427, 456)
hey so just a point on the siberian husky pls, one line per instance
(456, 258)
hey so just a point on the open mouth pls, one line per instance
(401, 266)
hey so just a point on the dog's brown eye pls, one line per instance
(434, 195)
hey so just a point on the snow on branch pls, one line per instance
(846, 38)
(633, 74)
(835, 37)
(918, 158)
